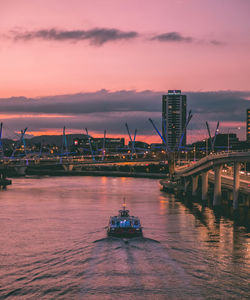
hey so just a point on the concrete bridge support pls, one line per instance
(194, 185)
(204, 186)
(236, 184)
(68, 168)
(171, 163)
(247, 203)
(217, 185)
(20, 170)
(186, 184)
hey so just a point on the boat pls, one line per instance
(124, 225)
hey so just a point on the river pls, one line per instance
(49, 225)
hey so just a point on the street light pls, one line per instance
(206, 140)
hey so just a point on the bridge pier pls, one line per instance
(20, 170)
(230, 197)
(236, 184)
(68, 168)
(186, 184)
(204, 186)
(217, 185)
(171, 164)
(247, 201)
(194, 185)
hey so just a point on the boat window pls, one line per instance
(136, 222)
(113, 222)
(125, 223)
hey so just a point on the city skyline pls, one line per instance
(81, 54)
(97, 112)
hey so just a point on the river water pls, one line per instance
(49, 225)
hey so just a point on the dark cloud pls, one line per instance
(100, 36)
(113, 123)
(96, 36)
(172, 37)
(221, 105)
(85, 103)
(225, 105)
(179, 38)
(216, 43)
(111, 110)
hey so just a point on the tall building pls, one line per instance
(174, 111)
(248, 125)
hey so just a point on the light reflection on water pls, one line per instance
(48, 226)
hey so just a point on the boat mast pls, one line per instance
(124, 203)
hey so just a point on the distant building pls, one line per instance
(248, 125)
(157, 147)
(226, 141)
(223, 142)
(111, 144)
(174, 111)
(139, 145)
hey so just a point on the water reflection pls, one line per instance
(48, 226)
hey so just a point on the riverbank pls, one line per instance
(97, 173)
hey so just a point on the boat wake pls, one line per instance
(126, 240)
(137, 267)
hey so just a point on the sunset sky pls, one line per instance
(101, 63)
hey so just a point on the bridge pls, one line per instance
(78, 163)
(208, 168)
(215, 163)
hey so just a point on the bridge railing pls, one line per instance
(211, 157)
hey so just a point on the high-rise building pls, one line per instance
(248, 125)
(174, 111)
